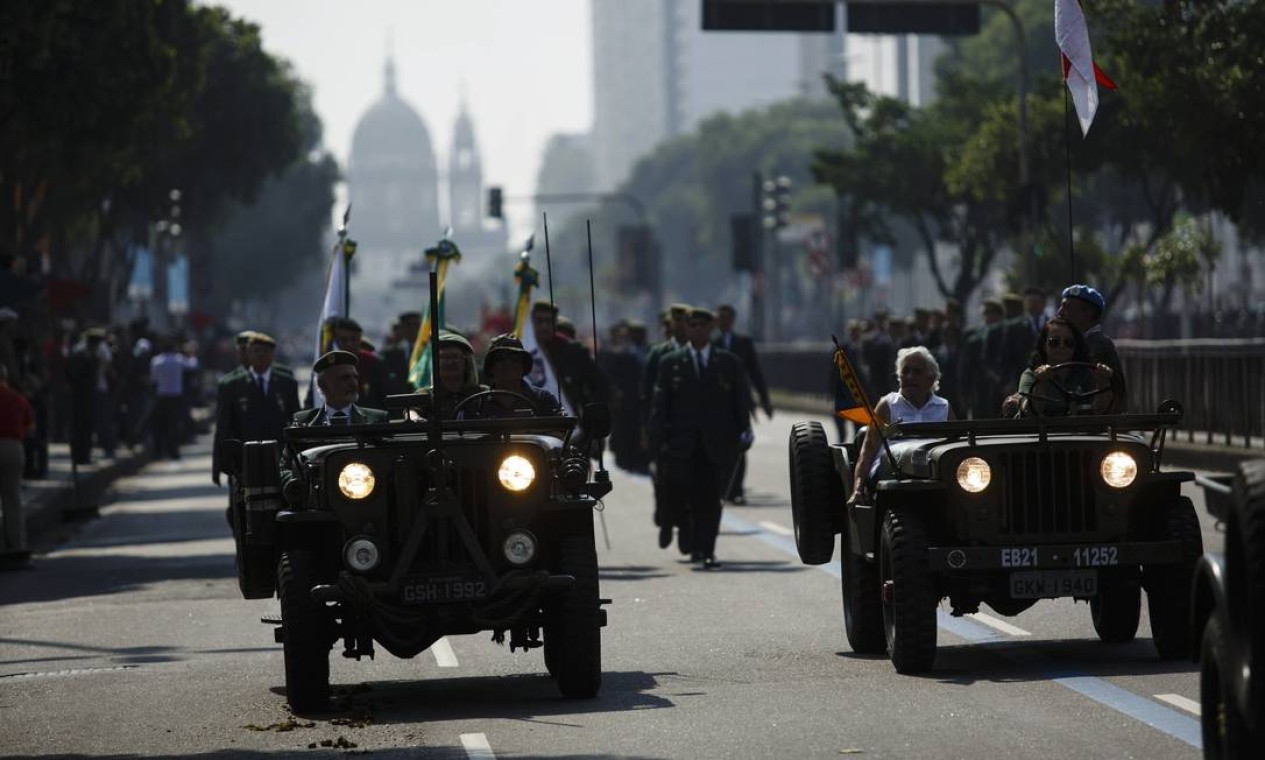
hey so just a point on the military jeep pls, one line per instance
(1228, 616)
(403, 532)
(1002, 512)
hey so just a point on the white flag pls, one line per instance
(1072, 36)
(335, 288)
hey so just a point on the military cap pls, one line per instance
(543, 305)
(992, 304)
(264, 338)
(410, 316)
(334, 359)
(1087, 294)
(702, 314)
(566, 327)
(448, 337)
(507, 346)
(679, 310)
(367, 345)
(635, 324)
(243, 337)
(1012, 299)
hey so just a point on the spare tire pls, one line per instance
(816, 493)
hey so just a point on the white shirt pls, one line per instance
(167, 370)
(935, 410)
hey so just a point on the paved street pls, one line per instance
(132, 640)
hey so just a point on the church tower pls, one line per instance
(465, 178)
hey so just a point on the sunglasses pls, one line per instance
(1055, 342)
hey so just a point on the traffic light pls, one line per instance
(777, 203)
(740, 231)
(495, 200)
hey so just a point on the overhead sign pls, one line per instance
(769, 15)
(898, 17)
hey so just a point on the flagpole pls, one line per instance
(1067, 157)
(342, 251)
(553, 310)
(588, 228)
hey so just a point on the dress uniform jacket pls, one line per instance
(743, 347)
(242, 411)
(711, 410)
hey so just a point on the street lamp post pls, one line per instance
(165, 245)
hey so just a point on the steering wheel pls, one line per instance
(1073, 398)
(492, 393)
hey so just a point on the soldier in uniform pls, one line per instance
(255, 402)
(374, 380)
(339, 383)
(743, 347)
(674, 325)
(1083, 306)
(396, 356)
(700, 420)
(579, 378)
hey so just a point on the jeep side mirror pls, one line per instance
(596, 420)
(229, 451)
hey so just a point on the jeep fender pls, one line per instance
(863, 520)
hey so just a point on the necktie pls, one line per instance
(700, 362)
(338, 418)
(259, 381)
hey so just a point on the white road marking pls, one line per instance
(773, 527)
(1177, 700)
(1000, 625)
(477, 747)
(444, 656)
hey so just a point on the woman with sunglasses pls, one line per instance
(1048, 389)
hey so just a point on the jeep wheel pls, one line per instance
(816, 494)
(1168, 586)
(305, 634)
(573, 635)
(1225, 733)
(908, 598)
(1116, 608)
(862, 607)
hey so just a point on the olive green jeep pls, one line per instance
(1001, 512)
(404, 532)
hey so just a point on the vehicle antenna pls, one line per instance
(553, 311)
(436, 389)
(601, 466)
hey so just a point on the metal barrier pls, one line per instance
(1219, 382)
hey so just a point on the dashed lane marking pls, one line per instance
(477, 747)
(773, 527)
(1000, 625)
(444, 656)
(1177, 700)
(1176, 724)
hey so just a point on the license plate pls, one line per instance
(457, 588)
(1040, 584)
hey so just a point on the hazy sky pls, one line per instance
(523, 66)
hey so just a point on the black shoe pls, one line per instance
(710, 563)
(665, 536)
(696, 557)
(738, 500)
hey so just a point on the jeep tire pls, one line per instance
(1168, 586)
(862, 606)
(816, 493)
(1117, 607)
(304, 633)
(906, 590)
(1245, 569)
(1226, 735)
(573, 633)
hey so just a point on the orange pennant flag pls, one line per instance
(861, 414)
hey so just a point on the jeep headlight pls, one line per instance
(516, 473)
(356, 480)
(974, 475)
(1118, 469)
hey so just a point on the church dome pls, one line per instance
(391, 136)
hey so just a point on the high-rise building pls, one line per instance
(472, 231)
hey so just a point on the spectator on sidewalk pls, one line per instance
(167, 422)
(17, 420)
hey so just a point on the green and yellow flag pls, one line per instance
(439, 257)
(527, 279)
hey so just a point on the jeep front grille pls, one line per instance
(1047, 492)
(442, 546)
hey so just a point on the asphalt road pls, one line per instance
(130, 639)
